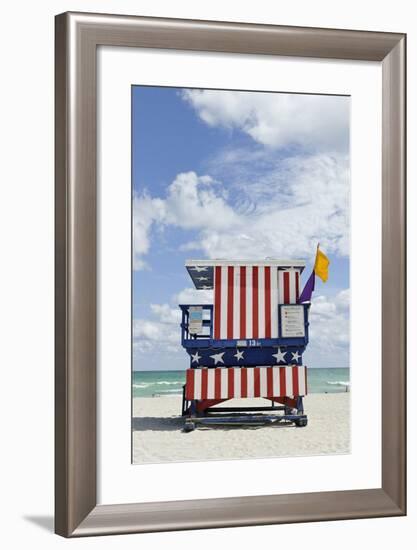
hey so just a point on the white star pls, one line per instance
(238, 355)
(280, 355)
(202, 279)
(198, 269)
(195, 357)
(218, 357)
(296, 356)
(206, 287)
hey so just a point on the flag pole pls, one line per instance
(315, 260)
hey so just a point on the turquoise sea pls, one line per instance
(163, 383)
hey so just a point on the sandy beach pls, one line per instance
(158, 435)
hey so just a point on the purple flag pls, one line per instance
(305, 296)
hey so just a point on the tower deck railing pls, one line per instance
(200, 333)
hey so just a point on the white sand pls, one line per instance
(158, 435)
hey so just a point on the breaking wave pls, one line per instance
(162, 383)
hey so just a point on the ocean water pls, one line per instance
(170, 382)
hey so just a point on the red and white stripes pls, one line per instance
(229, 383)
(246, 300)
(289, 286)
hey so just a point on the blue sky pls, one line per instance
(209, 164)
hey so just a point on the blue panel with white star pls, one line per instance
(202, 276)
(229, 357)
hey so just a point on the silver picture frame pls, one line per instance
(77, 37)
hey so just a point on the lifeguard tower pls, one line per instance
(248, 343)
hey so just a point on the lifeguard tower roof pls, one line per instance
(202, 271)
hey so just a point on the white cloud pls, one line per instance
(277, 120)
(329, 325)
(191, 202)
(166, 314)
(268, 204)
(194, 202)
(295, 203)
(146, 211)
(160, 333)
(193, 296)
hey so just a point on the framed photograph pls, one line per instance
(230, 274)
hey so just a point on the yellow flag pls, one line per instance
(321, 265)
